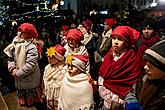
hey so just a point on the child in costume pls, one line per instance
(90, 43)
(74, 45)
(24, 66)
(53, 75)
(76, 92)
(149, 92)
(119, 69)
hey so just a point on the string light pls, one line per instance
(48, 14)
(5, 17)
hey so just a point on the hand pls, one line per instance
(53, 105)
(133, 106)
(90, 80)
(93, 83)
(14, 72)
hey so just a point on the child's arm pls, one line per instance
(11, 66)
(14, 72)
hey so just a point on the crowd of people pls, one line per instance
(79, 69)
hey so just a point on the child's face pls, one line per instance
(71, 42)
(73, 70)
(118, 43)
(52, 60)
(147, 32)
(63, 40)
(82, 29)
(23, 35)
(106, 27)
(153, 72)
(19, 33)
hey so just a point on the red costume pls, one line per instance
(119, 76)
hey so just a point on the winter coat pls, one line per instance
(28, 76)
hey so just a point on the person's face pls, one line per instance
(73, 70)
(153, 72)
(118, 43)
(147, 32)
(22, 35)
(52, 60)
(18, 33)
(82, 29)
(106, 27)
(63, 40)
(71, 42)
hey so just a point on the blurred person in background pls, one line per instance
(109, 25)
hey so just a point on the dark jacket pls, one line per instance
(156, 102)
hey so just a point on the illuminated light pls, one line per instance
(37, 8)
(154, 3)
(93, 12)
(45, 5)
(14, 23)
(62, 2)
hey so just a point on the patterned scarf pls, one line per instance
(53, 75)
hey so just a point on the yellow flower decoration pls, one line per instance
(50, 52)
(69, 59)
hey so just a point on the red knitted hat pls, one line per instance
(78, 60)
(60, 49)
(156, 55)
(87, 24)
(75, 34)
(110, 21)
(65, 28)
(57, 51)
(129, 34)
(83, 58)
(29, 29)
